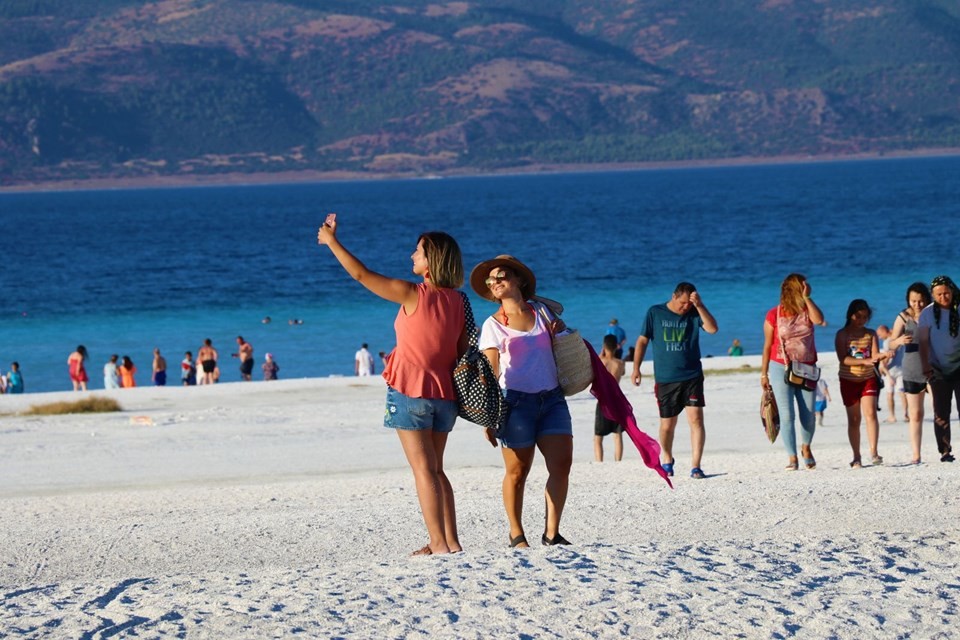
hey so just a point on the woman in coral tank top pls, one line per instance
(421, 400)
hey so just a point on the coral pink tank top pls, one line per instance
(421, 365)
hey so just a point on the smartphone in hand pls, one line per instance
(331, 218)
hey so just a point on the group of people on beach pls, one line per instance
(120, 372)
(431, 334)
(921, 353)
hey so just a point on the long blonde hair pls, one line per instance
(444, 261)
(791, 294)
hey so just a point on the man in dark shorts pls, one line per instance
(674, 330)
(207, 357)
(245, 353)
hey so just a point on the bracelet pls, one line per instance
(764, 376)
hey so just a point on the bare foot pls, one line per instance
(890, 419)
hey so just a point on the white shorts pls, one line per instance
(894, 380)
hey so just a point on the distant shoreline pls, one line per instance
(310, 176)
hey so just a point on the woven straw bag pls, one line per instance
(574, 369)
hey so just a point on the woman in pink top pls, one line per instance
(421, 400)
(788, 335)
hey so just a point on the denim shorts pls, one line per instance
(533, 415)
(418, 414)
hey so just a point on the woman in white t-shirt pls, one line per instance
(517, 339)
(939, 332)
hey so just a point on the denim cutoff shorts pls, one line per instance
(533, 415)
(418, 414)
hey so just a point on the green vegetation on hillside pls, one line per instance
(95, 88)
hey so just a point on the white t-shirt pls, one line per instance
(944, 348)
(364, 362)
(526, 357)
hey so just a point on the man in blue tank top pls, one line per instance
(674, 331)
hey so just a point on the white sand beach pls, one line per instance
(265, 510)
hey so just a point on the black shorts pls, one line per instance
(209, 365)
(914, 387)
(604, 427)
(672, 397)
(246, 367)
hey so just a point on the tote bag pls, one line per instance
(479, 399)
(574, 369)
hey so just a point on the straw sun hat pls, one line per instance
(481, 272)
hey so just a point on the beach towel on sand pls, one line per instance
(615, 406)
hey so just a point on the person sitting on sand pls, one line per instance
(421, 399)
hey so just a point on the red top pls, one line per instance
(421, 365)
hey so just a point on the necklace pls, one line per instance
(506, 319)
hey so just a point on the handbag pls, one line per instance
(479, 399)
(574, 368)
(805, 376)
(770, 415)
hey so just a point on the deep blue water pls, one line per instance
(128, 270)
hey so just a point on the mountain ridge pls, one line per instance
(121, 89)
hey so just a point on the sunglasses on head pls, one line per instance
(497, 279)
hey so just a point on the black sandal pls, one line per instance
(520, 539)
(557, 539)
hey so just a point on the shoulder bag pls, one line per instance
(574, 369)
(479, 398)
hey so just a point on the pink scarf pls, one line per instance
(615, 406)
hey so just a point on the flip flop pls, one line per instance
(425, 551)
(856, 464)
(697, 473)
(520, 539)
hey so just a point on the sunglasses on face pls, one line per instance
(497, 279)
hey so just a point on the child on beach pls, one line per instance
(270, 367)
(859, 353)
(14, 379)
(823, 397)
(188, 370)
(601, 425)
